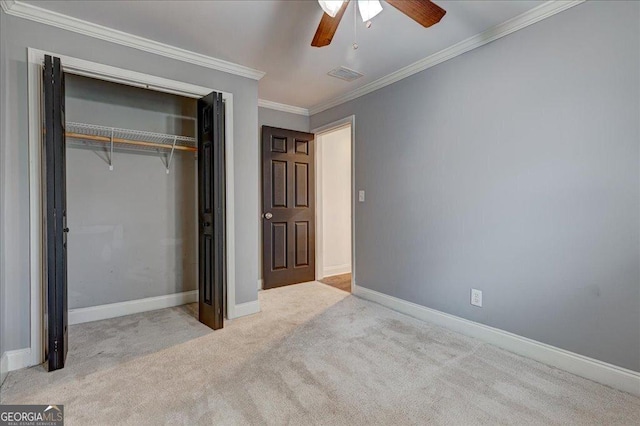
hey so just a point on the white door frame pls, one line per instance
(335, 125)
(132, 78)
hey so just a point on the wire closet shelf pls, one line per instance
(106, 137)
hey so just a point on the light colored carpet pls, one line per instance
(314, 355)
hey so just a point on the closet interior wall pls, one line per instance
(133, 231)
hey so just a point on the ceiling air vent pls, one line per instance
(345, 73)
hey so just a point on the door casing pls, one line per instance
(330, 127)
(95, 70)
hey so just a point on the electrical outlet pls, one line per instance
(476, 297)
(361, 196)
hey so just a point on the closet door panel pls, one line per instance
(211, 208)
(54, 174)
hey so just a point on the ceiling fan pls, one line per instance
(424, 12)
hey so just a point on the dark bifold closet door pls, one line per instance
(54, 175)
(211, 209)
(288, 207)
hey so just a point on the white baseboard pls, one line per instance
(592, 369)
(248, 308)
(112, 310)
(14, 360)
(329, 271)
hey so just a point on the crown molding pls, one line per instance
(65, 22)
(283, 107)
(6, 5)
(529, 17)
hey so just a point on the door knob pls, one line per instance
(268, 215)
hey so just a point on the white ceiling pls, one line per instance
(275, 36)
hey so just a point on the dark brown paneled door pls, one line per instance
(288, 207)
(54, 175)
(211, 209)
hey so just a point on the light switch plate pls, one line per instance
(361, 196)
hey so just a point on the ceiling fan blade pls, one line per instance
(423, 12)
(327, 28)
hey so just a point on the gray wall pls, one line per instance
(15, 164)
(513, 169)
(133, 230)
(284, 120)
(3, 130)
(110, 104)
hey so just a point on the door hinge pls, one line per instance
(55, 345)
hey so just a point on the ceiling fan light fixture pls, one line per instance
(369, 9)
(331, 7)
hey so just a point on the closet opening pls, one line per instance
(133, 203)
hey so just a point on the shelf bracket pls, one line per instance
(111, 151)
(173, 148)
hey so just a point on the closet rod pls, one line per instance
(106, 140)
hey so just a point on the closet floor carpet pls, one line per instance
(314, 355)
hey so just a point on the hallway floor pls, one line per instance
(342, 282)
(314, 355)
